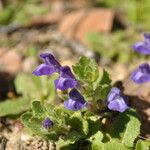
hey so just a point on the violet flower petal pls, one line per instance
(43, 69)
(66, 79)
(142, 74)
(75, 101)
(118, 105)
(50, 65)
(75, 95)
(48, 123)
(65, 83)
(66, 72)
(74, 105)
(49, 59)
(143, 47)
(113, 93)
(116, 101)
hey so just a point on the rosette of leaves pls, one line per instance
(75, 129)
(86, 129)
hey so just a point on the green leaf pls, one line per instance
(99, 146)
(79, 123)
(68, 142)
(126, 127)
(38, 109)
(36, 88)
(96, 141)
(105, 78)
(86, 70)
(94, 126)
(102, 91)
(14, 107)
(35, 125)
(142, 145)
(48, 88)
(25, 85)
(114, 145)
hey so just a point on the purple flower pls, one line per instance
(49, 66)
(48, 123)
(76, 101)
(142, 74)
(143, 47)
(116, 101)
(66, 79)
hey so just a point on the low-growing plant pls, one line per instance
(92, 114)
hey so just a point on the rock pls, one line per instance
(142, 91)
(10, 62)
(70, 22)
(50, 18)
(77, 24)
(37, 144)
(140, 100)
(97, 20)
(3, 142)
(25, 137)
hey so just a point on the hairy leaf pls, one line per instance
(38, 109)
(38, 88)
(35, 125)
(86, 70)
(126, 127)
(142, 145)
(79, 123)
(105, 79)
(114, 145)
(14, 107)
(96, 141)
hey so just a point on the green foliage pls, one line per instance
(6, 15)
(68, 142)
(33, 120)
(136, 11)
(114, 47)
(96, 83)
(114, 145)
(35, 88)
(14, 107)
(30, 88)
(78, 123)
(126, 127)
(85, 128)
(31, 51)
(38, 109)
(142, 145)
(21, 11)
(86, 70)
(35, 125)
(96, 141)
